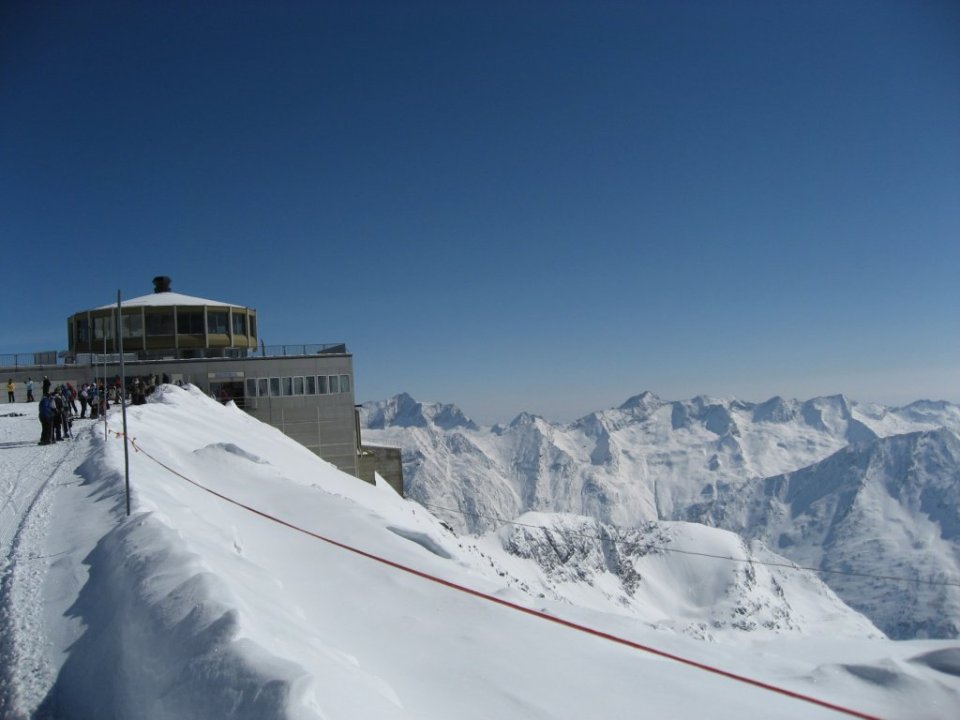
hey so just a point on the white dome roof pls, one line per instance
(163, 299)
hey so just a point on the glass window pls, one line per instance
(83, 331)
(133, 326)
(287, 384)
(274, 387)
(253, 325)
(102, 328)
(239, 324)
(190, 322)
(334, 381)
(322, 385)
(344, 383)
(310, 385)
(251, 387)
(298, 386)
(160, 323)
(217, 322)
(262, 387)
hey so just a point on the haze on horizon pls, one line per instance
(549, 206)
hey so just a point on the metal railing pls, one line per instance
(286, 350)
(28, 361)
(54, 358)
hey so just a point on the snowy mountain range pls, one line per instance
(866, 494)
(252, 579)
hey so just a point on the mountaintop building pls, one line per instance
(306, 391)
(165, 325)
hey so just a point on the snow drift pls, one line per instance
(200, 605)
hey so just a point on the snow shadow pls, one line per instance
(423, 540)
(158, 643)
(946, 661)
(17, 444)
(230, 449)
(105, 481)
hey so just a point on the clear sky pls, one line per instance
(543, 206)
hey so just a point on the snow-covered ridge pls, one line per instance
(195, 607)
(403, 411)
(666, 573)
(711, 460)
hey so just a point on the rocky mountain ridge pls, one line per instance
(660, 573)
(827, 482)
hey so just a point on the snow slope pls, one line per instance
(224, 601)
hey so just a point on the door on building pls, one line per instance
(227, 390)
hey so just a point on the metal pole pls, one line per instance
(123, 404)
(103, 396)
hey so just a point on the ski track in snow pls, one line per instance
(26, 673)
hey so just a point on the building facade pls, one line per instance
(164, 325)
(305, 391)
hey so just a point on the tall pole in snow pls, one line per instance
(123, 404)
(103, 396)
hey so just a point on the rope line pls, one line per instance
(788, 566)
(514, 606)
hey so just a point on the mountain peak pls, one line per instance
(775, 410)
(644, 401)
(524, 418)
(403, 410)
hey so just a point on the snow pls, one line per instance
(165, 299)
(866, 494)
(198, 607)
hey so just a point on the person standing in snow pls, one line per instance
(66, 415)
(83, 401)
(29, 385)
(46, 420)
(94, 401)
(46, 386)
(57, 416)
(71, 397)
(10, 388)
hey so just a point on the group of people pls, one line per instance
(58, 408)
(142, 386)
(58, 405)
(11, 388)
(138, 389)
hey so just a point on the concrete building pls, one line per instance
(165, 325)
(306, 391)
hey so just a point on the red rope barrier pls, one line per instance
(520, 608)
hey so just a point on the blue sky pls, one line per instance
(541, 206)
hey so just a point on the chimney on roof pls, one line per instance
(161, 284)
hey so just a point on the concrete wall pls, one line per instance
(323, 423)
(386, 462)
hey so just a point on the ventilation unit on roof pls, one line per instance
(161, 284)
